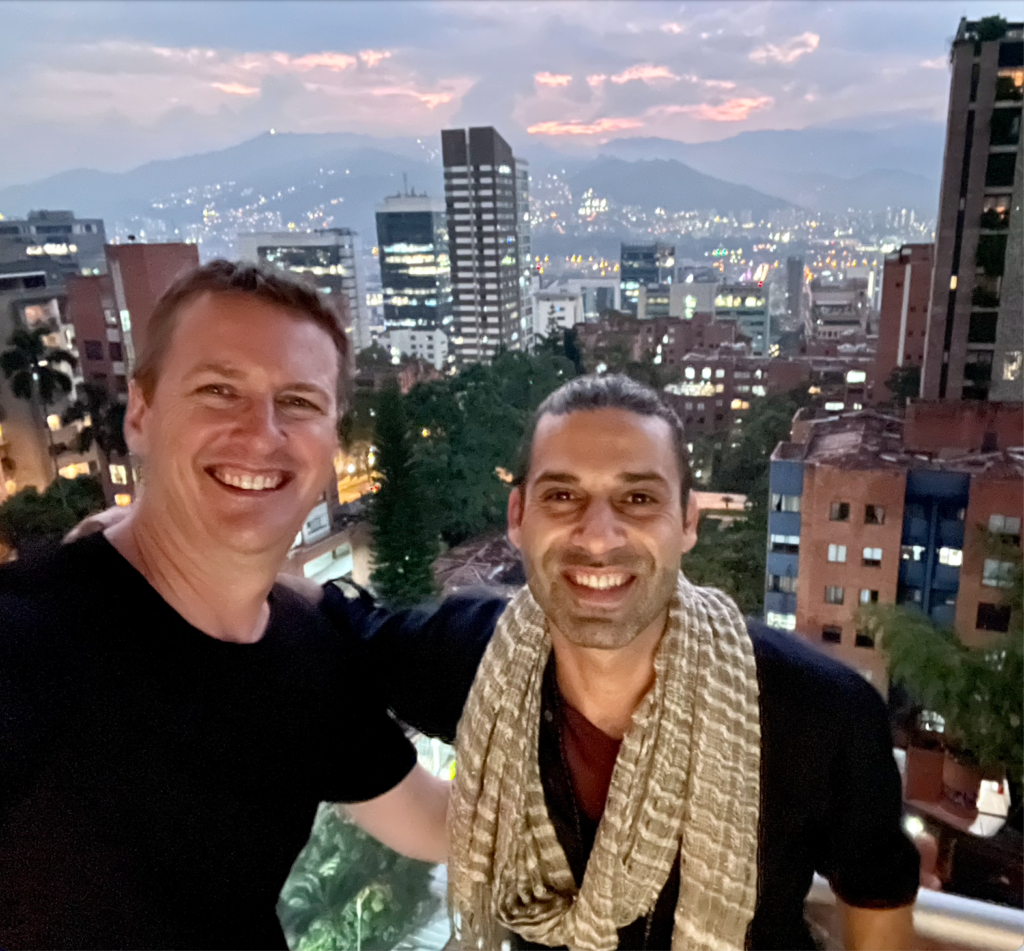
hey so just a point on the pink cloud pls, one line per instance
(675, 28)
(719, 84)
(336, 62)
(575, 127)
(939, 62)
(430, 99)
(789, 51)
(596, 79)
(644, 73)
(373, 57)
(733, 110)
(236, 89)
(552, 79)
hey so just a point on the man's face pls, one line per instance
(600, 524)
(238, 437)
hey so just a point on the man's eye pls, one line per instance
(216, 389)
(299, 402)
(559, 495)
(640, 498)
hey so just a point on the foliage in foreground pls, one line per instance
(30, 518)
(347, 891)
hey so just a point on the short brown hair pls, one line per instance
(267, 284)
(611, 391)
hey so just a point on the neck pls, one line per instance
(607, 686)
(221, 592)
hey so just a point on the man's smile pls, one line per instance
(249, 480)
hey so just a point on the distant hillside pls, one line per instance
(670, 185)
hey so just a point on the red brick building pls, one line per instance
(903, 317)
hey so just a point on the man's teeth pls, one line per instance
(600, 581)
(252, 483)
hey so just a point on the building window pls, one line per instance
(874, 515)
(997, 574)
(785, 503)
(785, 544)
(784, 583)
(953, 557)
(1012, 364)
(872, 557)
(122, 499)
(93, 349)
(868, 596)
(912, 552)
(118, 474)
(116, 352)
(834, 594)
(864, 640)
(837, 553)
(53, 422)
(993, 617)
(1005, 525)
(784, 622)
(840, 512)
(832, 634)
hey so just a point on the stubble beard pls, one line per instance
(652, 590)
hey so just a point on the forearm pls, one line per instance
(411, 818)
(876, 929)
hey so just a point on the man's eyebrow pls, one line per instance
(556, 477)
(224, 369)
(632, 477)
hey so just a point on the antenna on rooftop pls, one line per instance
(405, 184)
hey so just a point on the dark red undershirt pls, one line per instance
(590, 756)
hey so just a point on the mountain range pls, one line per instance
(819, 168)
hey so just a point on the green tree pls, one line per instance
(30, 519)
(745, 461)
(904, 382)
(104, 422)
(32, 367)
(403, 541)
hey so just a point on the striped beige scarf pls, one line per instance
(686, 782)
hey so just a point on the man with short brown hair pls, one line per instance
(170, 718)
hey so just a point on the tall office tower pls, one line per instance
(975, 336)
(903, 316)
(75, 243)
(523, 243)
(795, 287)
(748, 307)
(483, 234)
(645, 265)
(329, 256)
(415, 271)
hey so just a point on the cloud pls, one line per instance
(575, 127)
(552, 79)
(596, 79)
(645, 73)
(939, 62)
(236, 89)
(733, 110)
(719, 83)
(674, 28)
(372, 57)
(336, 62)
(789, 51)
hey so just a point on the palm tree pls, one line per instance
(104, 422)
(31, 366)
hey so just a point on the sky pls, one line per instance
(110, 85)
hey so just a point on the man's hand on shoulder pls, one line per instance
(98, 522)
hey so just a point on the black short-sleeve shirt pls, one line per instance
(157, 784)
(830, 791)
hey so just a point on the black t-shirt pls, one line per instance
(830, 790)
(156, 784)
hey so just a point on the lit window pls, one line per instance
(837, 553)
(997, 574)
(839, 512)
(123, 498)
(1011, 365)
(872, 557)
(874, 515)
(868, 596)
(1003, 525)
(719, 374)
(705, 374)
(118, 474)
(53, 421)
(911, 552)
(834, 594)
(953, 557)
(856, 376)
(689, 373)
(784, 622)
(833, 406)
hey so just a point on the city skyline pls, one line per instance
(111, 85)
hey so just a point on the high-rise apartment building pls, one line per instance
(975, 338)
(329, 257)
(76, 243)
(795, 287)
(645, 265)
(747, 306)
(415, 271)
(867, 508)
(838, 308)
(903, 317)
(524, 244)
(483, 233)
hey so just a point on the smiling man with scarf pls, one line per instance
(638, 767)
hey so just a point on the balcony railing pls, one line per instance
(941, 920)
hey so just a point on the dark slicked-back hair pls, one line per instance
(264, 283)
(613, 391)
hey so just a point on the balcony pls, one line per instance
(1007, 90)
(995, 220)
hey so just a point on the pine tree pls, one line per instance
(404, 546)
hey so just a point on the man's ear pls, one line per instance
(135, 420)
(515, 514)
(691, 516)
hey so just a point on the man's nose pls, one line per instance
(260, 424)
(600, 529)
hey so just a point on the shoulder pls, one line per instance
(803, 687)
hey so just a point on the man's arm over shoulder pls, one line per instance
(422, 660)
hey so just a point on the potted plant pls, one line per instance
(976, 693)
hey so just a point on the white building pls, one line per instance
(555, 309)
(430, 346)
